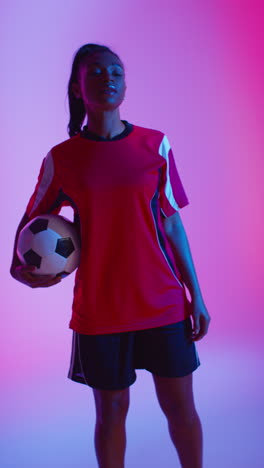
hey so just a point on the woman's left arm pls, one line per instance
(177, 237)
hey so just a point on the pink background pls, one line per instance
(195, 71)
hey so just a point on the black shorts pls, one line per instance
(108, 361)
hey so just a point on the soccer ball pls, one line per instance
(51, 243)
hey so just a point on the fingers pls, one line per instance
(25, 274)
(200, 330)
(45, 283)
(198, 337)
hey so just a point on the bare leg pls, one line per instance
(110, 434)
(175, 396)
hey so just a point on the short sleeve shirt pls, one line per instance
(120, 189)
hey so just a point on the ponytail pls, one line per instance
(77, 115)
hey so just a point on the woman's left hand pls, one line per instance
(201, 319)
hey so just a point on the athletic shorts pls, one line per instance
(108, 361)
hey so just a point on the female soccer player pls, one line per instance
(130, 309)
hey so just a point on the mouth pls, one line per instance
(109, 90)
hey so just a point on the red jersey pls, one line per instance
(120, 190)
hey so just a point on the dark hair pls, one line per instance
(76, 106)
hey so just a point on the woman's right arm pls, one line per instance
(25, 273)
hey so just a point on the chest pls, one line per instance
(109, 171)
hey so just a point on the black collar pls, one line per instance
(85, 133)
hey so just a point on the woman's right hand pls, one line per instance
(25, 274)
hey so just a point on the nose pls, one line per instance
(106, 76)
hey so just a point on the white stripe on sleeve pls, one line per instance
(164, 149)
(45, 181)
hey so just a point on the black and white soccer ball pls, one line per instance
(51, 243)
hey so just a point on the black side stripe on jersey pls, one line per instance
(62, 197)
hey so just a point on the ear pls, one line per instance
(76, 90)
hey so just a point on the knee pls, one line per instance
(178, 409)
(175, 397)
(182, 414)
(111, 406)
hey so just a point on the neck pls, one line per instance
(106, 124)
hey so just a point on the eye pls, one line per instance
(95, 72)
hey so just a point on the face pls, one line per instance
(95, 73)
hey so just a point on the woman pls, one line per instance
(130, 309)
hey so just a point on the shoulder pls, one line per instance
(148, 131)
(65, 145)
(151, 137)
(62, 151)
